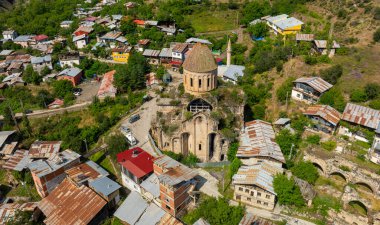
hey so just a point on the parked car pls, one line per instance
(128, 134)
(77, 94)
(147, 98)
(134, 118)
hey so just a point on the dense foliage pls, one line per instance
(285, 90)
(288, 193)
(189, 160)
(333, 98)
(305, 171)
(116, 143)
(332, 74)
(216, 211)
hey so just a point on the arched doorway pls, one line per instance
(198, 105)
(358, 207)
(319, 167)
(338, 176)
(211, 145)
(185, 143)
(364, 187)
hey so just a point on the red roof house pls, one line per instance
(41, 38)
(136, 165)
(139, 22)
(57, 103)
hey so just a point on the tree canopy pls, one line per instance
(305, 171)
(288, 193)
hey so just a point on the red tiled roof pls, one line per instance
(144, 41)
(41, 37)
(139, 22)
(136, 161)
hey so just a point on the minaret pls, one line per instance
(229, 52)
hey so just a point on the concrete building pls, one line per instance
(309, 89)
(136, 165)
(178, 51)
(284, 25)
(253, 185)
(257, 144)
(9, 35)
(121, 54)
(324, 117)
(48, 174)
(70, 59)
(176, 184)
(39, 63)
(74, 75)
(80, 41)
(199, 70)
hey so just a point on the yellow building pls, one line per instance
(121, 54)
(284, 25)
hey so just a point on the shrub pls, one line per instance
(375, 104)
(232, 150)
(372, 90)
(284, 91)
(329, 145)
(358, 95)
(234, 167)
(313, 139)
(305, 171)
(376, 35)
(332, 74)
(288, 193)
(376, 13)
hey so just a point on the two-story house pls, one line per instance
(309, 89)
(178, 55)
(324, 117)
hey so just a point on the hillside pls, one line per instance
(6, 4)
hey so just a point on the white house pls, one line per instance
(80, 41)
(71, 59)
(9, 35)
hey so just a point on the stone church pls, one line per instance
(198, 134)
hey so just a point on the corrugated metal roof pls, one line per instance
(23, 38)
(282, 121)
(288, 23)
(198, 40)
(260, 175)
(232, 72)
(257, 140)
(180, 47)
(18, 161)
(111, 35)
(72, 72)
(315, 82)
(201, 221)
(80, 37)
(106, 87)
(326, 112)
(168, 219)
(276, 18)
(71, 204)
(250, 219)
(361, 115)
(152, 185)
(136, 161)
(151, 216)
(173, 171)
(132, 208)
(320, 43)
(104, 185)
(305, 37)
(166, 53)
(84, 172)
(151, 53)
(42, 59)
(4, 136)
(44, 149)
(8, 210)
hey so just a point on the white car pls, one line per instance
(77, 94)
(128, 134)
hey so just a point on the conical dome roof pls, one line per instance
(200, 60)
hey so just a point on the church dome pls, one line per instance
(200, 60)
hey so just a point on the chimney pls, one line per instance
(229, 52)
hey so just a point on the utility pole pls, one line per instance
(291, 151)
(287, 94)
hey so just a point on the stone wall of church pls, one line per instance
(198, 83)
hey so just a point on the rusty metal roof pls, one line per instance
(250, 219)
(168, 219)
(361, 115)
(71, 204)
(173, 171)
(44, 149)
(305, 37)
(258, 140)
(260, 175)
(180, 47)
(326, 112)
(8, 210)
(18, 161)
(315, 82)
(106, 87)
(111, 35)
(84, 172)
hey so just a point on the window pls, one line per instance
(240, 189)
(246, 190)
(200, 147)
(267, 196)
(199, 83)
(248, 199)
(208, 82)
(252, 193)
(298, 95)
(266, 203)
(168, 207)
(191, 82)
(258, 202)
(167, 200)
(258, 194)
(238, 197)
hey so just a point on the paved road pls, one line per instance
(140, 128)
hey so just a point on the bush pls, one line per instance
(329, 145)
(332, 74)
(376, 13)
(376, 35)
(285, 90)
(232, 150)
(313, 139)
(288, 193)
(258, 30)
(358, 95)
(375, 104)
(234, 167)
(372, 90)
(305, 171)
(333, 98)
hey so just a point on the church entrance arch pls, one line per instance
(211, 145)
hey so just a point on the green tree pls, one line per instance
(215, 211)
(305, 171)
(286, 140)
(232, 150)
(128, 27)
(375, 104)
(258, 30)
(285, 90)
(62, 87)
(234, 167)
(30, 76)
(313, 139)
(45, 71)
(116, 143)
(288, 193)
(132, 76)
(372, 90)
(333, 98)
(332, 74)
(255, 10)
(376, 35)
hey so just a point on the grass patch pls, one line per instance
(323, 181)
(105, 162)
(213, 21)
(25, 191)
